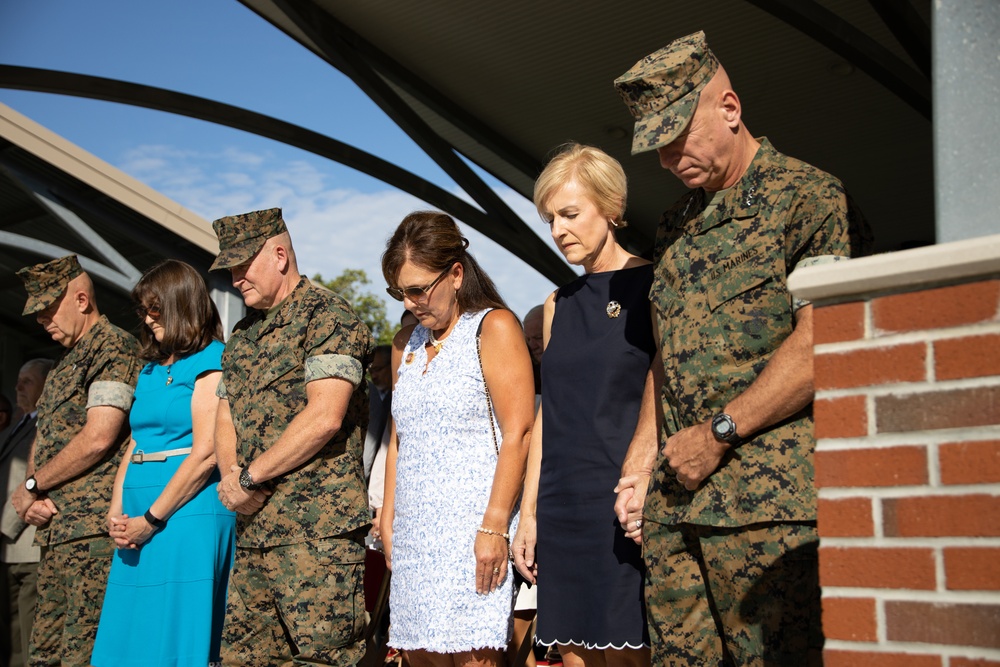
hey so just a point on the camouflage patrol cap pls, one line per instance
(241, 236)
(46, 282)
(662, 90)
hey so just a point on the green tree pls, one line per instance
(369, 307)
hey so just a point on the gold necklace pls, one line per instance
(435, 343)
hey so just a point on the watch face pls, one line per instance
(30, 484)
(723, 427)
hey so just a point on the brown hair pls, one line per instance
(600, 175)
(187, 314)
(432, 241)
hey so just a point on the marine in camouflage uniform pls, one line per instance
(729, 532)
(82, 431)
(293, 421)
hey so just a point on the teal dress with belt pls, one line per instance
(165, 602)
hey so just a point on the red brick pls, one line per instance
(972, 568)
(957, 408)
(973, 662)
(863, 368)
(841, 417)
(833, 658)
(883, 466)
(871, 567)
(974, 515)
(969, 357)
(970, 462)
(835, 324)
(943, 623)
(851, 619)
(936, 308)
(846, 517)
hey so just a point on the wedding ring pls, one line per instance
(496, 570)
(638, 524)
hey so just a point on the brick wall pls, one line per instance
(908, 471)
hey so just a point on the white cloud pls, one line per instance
(333, 228)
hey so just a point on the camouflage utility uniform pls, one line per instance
(723, 308)
(100, 370)
(299, 560)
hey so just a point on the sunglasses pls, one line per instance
(152, 311)
(415, 293)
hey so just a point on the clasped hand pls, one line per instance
(129, 532)
(235, 497)
(631, 490)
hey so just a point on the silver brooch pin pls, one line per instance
(614, 309)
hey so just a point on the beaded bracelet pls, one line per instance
(487, 531)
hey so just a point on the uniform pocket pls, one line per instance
(751, 307)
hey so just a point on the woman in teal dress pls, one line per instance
(166, 595)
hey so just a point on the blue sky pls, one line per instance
(219, 49)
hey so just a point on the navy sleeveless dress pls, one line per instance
(594, 369)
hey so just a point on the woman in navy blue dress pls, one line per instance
(599, 350)
(166, 595)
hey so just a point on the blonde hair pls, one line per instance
(599, 174)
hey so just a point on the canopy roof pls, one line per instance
(57, 199)
(842, 84)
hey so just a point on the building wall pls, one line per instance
(908, 467)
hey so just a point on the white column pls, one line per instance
(966, 80)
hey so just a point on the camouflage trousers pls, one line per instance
(298, 604)
(733, 597)
(71, 580)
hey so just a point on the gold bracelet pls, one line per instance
(487, 531)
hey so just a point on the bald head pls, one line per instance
(83, 283)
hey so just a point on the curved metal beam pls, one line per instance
(414, 85)
(113, 278)
(536, 253)
(833, 32)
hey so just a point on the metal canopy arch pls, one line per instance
(513, 234)
(502, 85)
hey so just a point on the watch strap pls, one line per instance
(153, 521)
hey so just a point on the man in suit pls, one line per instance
(18, 556)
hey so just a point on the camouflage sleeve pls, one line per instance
(334, 366)
(114, 394)
(817, 227)
(814, 261)
(113, 373)
(337, 343)
(220, 391)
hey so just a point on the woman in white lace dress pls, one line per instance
(457, 454)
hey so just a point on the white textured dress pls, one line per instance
(444, 475)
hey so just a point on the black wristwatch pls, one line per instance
(724, 429)
(31, 485)
(246, 481)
